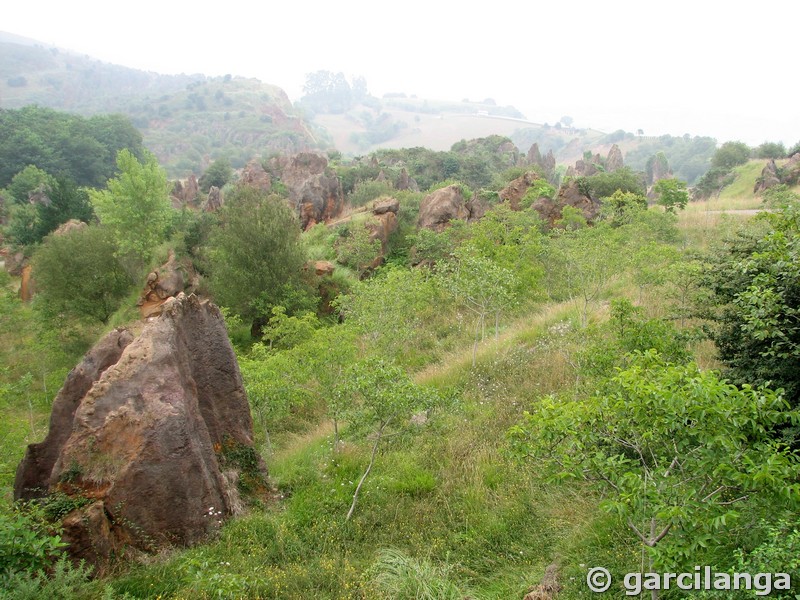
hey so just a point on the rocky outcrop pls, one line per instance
(515, 191)
(772, 175)
(70, 226)
(151, 434)
(169, 280)
(614, 159)
(385, 204)
(769, 178)
(323, 268)
(382, 225)
(255, 176)
(314, 189)
(214, 201)
(442, 206)
(548, 588)
(569, 195)
(534, 156)
(404, 182)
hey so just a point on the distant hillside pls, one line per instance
(186, 120)
(190, 120)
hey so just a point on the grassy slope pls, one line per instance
(445, 493)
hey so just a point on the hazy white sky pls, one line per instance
(676, 67)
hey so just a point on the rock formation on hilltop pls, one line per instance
(569, 195)
(149, 436)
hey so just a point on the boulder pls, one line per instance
(323, 267)
(614, 160)
(442, 206)
(70, 226)
(151, 432)
(385, 204)
(254, 175)
(790, 173)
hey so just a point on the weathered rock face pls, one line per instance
(169, 280)
(569, 195)
(214, 201)
(442, 206)
(70, 226)
(614, 160)
(384, 205)
(255, 176)
(314, 189)
(769, 178)
(515, 191)
(534, 156)
(140, 429)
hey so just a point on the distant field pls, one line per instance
(437, 132)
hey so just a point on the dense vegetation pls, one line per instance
(494, 398)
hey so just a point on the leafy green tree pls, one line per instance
(771, 150)
(357, 250)
(381, 396)
(28, 180)
(135, 207)
(256, 257)
(620, 207)
(483, 287)
(679, 454)
(79, 276)
(755, 302)
(604, 184)
(672, 194)
(582, 262)
(730, 155)
(218, 174)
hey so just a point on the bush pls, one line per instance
(77, 275)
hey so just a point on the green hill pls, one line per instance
(186, 120)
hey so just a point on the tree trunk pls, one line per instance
(369, 468)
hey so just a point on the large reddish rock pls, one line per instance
(442, 206)
(141, 431)
(769, 178)
(314, 189)
(614, 159)
(569, 195)
(254, 175)
(167, 281)
(515, 191)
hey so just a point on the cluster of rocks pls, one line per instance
(772, 175)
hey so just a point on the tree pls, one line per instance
(755, 302)
(382, 395)
(483, 287)
(78, 275)
(730, 155)
(357, 250)
(679, 454)
(582, 262)
(27, 181)
(218, 174)
(672, 194)
(256, 258)
(135, 207)
(771, 150)
(604, 184)
(620, 207)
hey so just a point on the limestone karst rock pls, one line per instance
(145, 432)
(769, 178)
